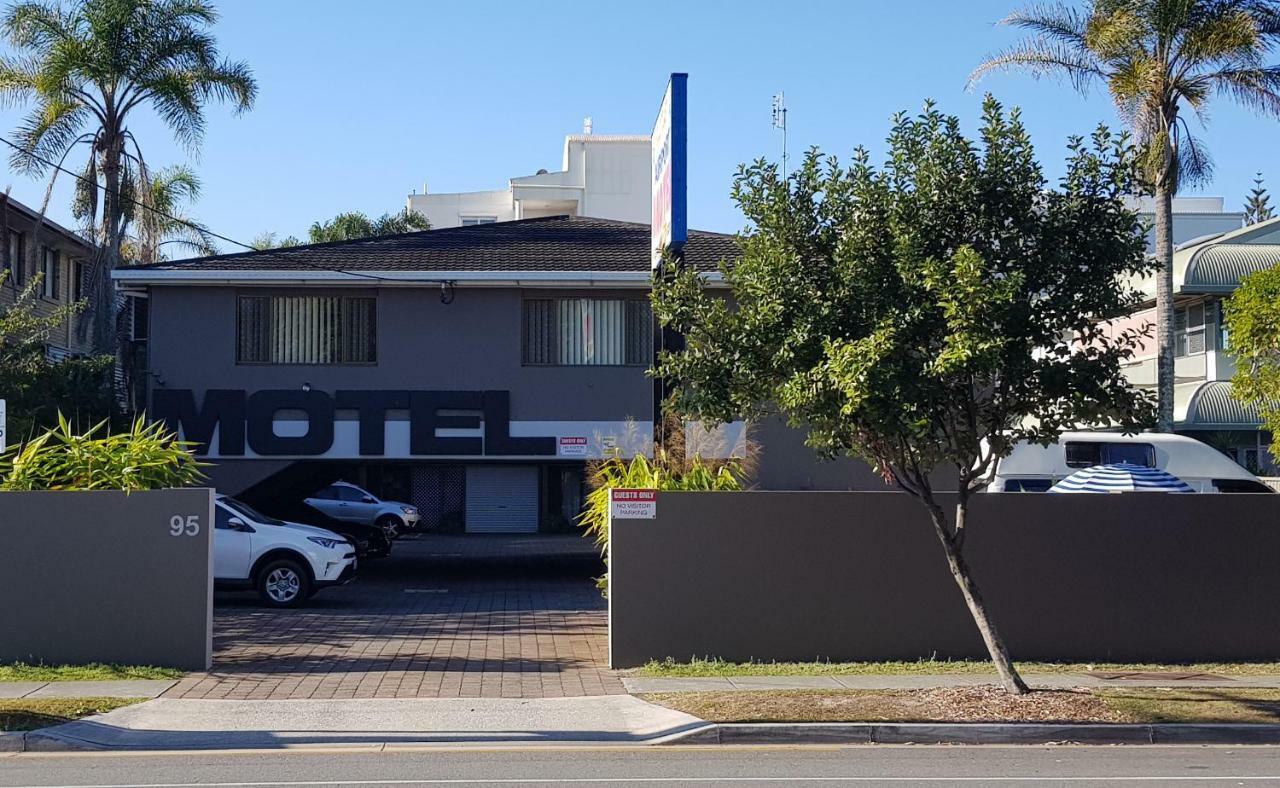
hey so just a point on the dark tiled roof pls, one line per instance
(554, 243)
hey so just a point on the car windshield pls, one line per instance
(250, 512)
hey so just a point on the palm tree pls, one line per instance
(87, 66)
(158, 219)
(1157, 58)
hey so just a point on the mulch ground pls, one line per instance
(952, 704)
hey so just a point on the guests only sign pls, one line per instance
(626, 504)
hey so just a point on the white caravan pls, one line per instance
(1031, 467)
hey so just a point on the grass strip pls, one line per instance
(715, 668)
(19, 671)
(29, 714)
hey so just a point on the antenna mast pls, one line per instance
(780, 122)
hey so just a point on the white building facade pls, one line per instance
(1205, 273)
(602, 176)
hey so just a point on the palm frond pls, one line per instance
(1055, 21)
(1255, 88)
(1043, 57)
(47, 132)
(1194, 165)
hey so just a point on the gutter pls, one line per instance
(173, 276)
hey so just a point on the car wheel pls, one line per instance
(284, 583)
(390, 525)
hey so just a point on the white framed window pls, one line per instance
(51, 284)
(571, 332)
(471, 221)
(1195, 328)
(282, 329)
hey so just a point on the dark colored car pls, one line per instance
(370, 541)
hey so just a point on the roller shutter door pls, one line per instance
(502, 499)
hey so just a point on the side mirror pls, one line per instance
(369, 499)
(239, 525)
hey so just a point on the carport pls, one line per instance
(471, 615)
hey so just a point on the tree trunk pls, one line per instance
(104, 302)
(1009, 677)
(1164, 304)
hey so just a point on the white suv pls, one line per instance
(285, 562)
(345, 501)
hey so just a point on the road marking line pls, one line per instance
(709, 780)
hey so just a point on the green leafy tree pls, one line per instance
(1258, 207)
(87, 67)
(353, 225)
(917, 315)
(1253, 315)
(1159, 59)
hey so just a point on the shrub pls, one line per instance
(666, 471)
(147, 457)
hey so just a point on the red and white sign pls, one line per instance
(573, 447)
(625, 504)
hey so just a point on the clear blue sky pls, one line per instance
(362, 102)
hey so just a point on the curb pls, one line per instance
(12, 741)
(793, 733)
(978, 733)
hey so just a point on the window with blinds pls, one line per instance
(306, 330)
(587, 332)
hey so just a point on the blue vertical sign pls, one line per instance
(670, 160)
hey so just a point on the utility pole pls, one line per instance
(780, 122)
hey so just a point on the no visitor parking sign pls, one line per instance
(625, 504)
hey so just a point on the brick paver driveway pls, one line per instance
(462, 616)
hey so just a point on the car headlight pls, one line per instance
(409, 509)
(325, 542)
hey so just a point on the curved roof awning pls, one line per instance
(1211, 406)
(1218, 267)
(1216, 264)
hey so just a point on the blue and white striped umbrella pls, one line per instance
(1120, 477)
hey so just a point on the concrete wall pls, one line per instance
(860, 576)
(99, 577)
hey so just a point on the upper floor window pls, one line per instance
(1195, 328)
(470, 221)
(77, 280)
(51, 284)
(306, 330)
(13, 257)
(587, 332)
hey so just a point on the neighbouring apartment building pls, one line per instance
(1194, 218)
(1205, 273)
(58, 259)
(602, 176)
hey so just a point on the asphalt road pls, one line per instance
(644, 767)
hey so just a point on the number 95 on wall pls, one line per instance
(184, 525)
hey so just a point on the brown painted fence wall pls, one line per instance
(107, 577)
(860, 576)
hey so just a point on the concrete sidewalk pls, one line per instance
(124, 688)
(640, 685)
(172, 724)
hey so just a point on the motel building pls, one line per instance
(471, 371)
